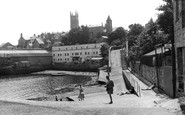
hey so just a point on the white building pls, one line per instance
(74, 53)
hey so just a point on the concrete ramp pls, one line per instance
(117, 77)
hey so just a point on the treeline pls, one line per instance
(142, 39)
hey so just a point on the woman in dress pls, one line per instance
(81, 93)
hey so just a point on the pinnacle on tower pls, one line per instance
(108, 18)
(108, 24)
(74, 22)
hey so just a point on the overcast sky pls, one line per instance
(36, 16)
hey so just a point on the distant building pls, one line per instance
(76, 53)
(33, 57)
(35, 43)
(94, 30)
(21, 42)
(74, 22)
(179, 28)
(7, 46)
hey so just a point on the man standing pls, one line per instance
(109, 88)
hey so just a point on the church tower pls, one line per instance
(108, 25)
(74, 23)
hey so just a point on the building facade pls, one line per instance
(34, 57)
(179, 42)
(94, 30)
(74, 22)
(24, 61)
(76, 53)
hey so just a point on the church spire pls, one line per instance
(108, 25)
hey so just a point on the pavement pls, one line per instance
(97, 103)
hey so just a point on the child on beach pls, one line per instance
(81, 94)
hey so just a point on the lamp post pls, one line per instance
(109, 63)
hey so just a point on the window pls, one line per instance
(58, 59)
(88, 53)
(66, 48)
(76, 48)
(96, 52)
(85, 53)
(86, 46)
(72, 54)
(53, 54)
(59, 48)
(80, 53)
(93, 52)
(76, 53)
(58, 54)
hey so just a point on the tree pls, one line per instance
(154, 33)
(165, 19)
(133, 33)
(104, 52)
(65, 39)
(146, 41)
(120, 33)
(77, 36)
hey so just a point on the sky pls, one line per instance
(31, 17)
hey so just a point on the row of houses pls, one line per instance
(32, 43)
(31, 58)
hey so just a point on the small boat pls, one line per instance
(57, 74)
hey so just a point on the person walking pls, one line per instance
(81, 94)
(109, 88)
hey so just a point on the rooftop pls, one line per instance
(9, 53)
(159, 51)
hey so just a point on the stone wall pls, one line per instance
(150, 74)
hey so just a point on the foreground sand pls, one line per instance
(96, 103)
